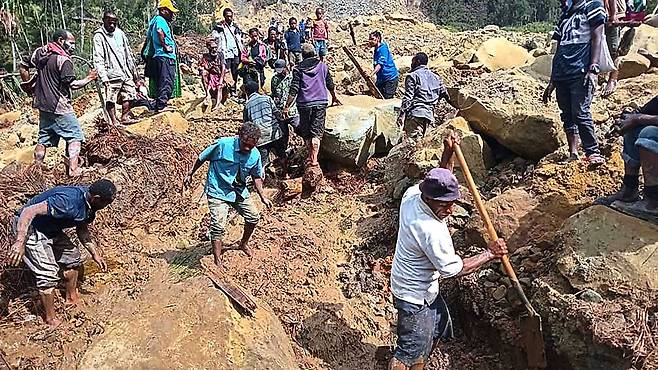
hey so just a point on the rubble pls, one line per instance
(499, 53)
(633, 65)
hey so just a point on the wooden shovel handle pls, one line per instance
(481, 209)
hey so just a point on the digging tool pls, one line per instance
(371, 85)
(99, 91)
(531, 329)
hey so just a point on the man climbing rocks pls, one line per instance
(640, 152)
(232, 161)
(113, 59)
(261, 110)
(162, 40)
(424, 253)
(575, 73)
(384, 66)
(422, 90)
(44, 247)
(52, 97)
(229, 38)
(320, 34)
(310, 81)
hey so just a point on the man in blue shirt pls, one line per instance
(162, 41)
(294, 39)
(575, 73)
(44, 247)
(232, 160)
(384, 67)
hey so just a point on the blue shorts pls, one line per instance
(53, 126)
(420, 328)
(321, 47)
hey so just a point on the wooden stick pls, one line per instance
(230, 289)
(507, 265)
(371, 86)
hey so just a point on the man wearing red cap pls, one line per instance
(424, 254)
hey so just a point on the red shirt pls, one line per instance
(320, 29)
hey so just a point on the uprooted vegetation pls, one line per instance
(321, 264)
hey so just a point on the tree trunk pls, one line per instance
(61, 12)
(82, 26)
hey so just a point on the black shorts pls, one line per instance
(311, 121)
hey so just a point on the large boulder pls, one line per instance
(428, 152)
(607, 250)
(359, 128)
(506, 106)
(633, 65)
(646, 38)
(520, 218)
(541, 68)
(500, 53)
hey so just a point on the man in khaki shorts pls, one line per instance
(113, 59)
(232, 161)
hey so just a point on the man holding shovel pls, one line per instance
(424, 253)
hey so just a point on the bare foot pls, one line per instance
(73, 298)
(245, 248)
(609, 89)
(54, 322)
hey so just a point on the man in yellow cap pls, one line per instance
(161, 43)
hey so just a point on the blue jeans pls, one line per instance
(420, 328)
(574, 99)
(645, 137)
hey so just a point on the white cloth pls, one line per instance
(423, 253)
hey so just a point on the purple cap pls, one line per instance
(440, 184)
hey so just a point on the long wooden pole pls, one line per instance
(371, 86)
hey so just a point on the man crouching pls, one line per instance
(44, 247)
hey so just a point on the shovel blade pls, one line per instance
(533, 341)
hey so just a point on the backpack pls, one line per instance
(147, 53)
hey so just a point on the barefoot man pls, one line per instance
(232, 160)
(44, 247)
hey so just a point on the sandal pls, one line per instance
(595, 160)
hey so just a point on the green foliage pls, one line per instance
(534, 27)
(37, 19)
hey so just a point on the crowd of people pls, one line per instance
(302, 89)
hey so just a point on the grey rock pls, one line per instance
(590, 295)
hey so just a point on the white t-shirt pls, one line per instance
(423, 253)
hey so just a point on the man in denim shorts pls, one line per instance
(232, 160)
(423, 254)
(640, 131)
(52, 97)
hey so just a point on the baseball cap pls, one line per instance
(279, 65)
(440, 184)
(167, 4)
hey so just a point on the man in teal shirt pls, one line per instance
(384, 66)
(164, 56)
(232, 160)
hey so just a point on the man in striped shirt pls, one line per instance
(575, 73)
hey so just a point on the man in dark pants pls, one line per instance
(162, 39)
(575, 73)
(229, 39)
(384, 66)
(310, 81)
